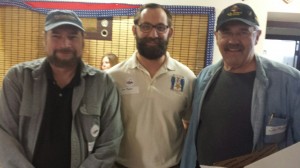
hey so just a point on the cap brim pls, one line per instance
(236, 19)
(52, 26)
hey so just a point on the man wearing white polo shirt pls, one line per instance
(156, 93)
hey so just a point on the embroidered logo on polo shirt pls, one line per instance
(129, 87)
(129, 82)
(177, 83)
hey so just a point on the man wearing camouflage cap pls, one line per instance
(58, 112)
(244, 102)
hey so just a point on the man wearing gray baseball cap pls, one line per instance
(57, 111)
(57, 18)
(243, 103)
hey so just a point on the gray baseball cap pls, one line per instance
(57, 18)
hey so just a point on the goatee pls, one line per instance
(56, 61)
(151, 52)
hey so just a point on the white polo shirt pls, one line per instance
(152, 112)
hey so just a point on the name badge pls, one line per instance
(130, 90)
(272, 130)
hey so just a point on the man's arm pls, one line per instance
(12, 153)
(107, 144)
(296, 111)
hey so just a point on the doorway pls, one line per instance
(282, 38)
(284, 51)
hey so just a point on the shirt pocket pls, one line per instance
(90, 123)
(275, 131)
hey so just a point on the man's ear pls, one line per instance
(45, 39)
(134, 30)
(258, 33)
(83, 37)
(171, 31)
(216, 35)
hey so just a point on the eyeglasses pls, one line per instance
(241, 34)
(146, 27)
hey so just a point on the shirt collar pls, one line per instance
(76, 79)
(169, 63)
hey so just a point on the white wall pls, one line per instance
(281, 6)
(261, 8)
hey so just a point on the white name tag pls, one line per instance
(130, 90)
(91, 146)
(272, 130)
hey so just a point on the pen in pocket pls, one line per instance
(271, 117)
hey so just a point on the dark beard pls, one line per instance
(151, 52)
(54, 60)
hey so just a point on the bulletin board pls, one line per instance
(108, 30)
